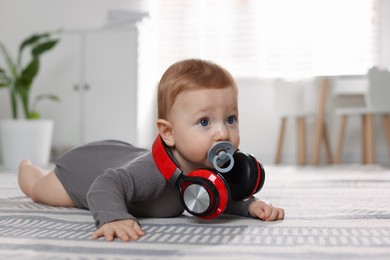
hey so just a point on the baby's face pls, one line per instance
(200, 118)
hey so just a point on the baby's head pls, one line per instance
(197, 106)
(186, 75)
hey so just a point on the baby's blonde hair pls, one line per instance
(191, 74)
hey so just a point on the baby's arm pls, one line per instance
(117, 195)
(107, 198)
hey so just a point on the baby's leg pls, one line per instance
(42, 186)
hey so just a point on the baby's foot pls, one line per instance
(23, 178)
(23, 163)
(23, 166)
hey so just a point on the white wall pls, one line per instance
(384, 32)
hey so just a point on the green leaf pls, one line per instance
(4, 80)
(34, 115)
(36, 38)
(24, 96)
(32, 39)
(19, 78)
(43, 47)
(48, 96)
(28, 74)
(8, 59)
(39, 98)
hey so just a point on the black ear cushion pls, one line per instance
(246, 177)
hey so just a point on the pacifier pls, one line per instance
(220, 154)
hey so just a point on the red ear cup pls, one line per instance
(204, 193)
(246, 178)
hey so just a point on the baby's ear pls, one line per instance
(165, 130)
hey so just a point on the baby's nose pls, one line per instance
(222, 133)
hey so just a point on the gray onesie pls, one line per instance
(116, 180)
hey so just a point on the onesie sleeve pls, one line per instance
(107, 197)
(113, 193)
(239, 207)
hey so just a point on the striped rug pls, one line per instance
(331, 213)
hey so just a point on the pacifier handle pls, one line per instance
(221, 153)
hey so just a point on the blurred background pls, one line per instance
(111, 55)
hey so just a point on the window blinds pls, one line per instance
(269, 38)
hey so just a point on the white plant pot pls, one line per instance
(26, 139)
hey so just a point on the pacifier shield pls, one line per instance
(220, 155)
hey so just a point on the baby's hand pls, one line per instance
(260, 209)
(127, 229)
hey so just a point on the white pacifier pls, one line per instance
(221, 153)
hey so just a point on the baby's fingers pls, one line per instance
(267, 212)
(138, 230)
(280, 213)
(134, 233)
(272, 214)
(123, 235)
(259, 212)
(108, 233)
(276, 214)
(125, 230)
(98, 233)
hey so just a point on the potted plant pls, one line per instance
(22, 135)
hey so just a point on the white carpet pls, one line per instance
(338, 212)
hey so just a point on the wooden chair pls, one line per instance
(290, 103)
(300, 100)
(376, 103)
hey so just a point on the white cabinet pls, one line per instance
(94, 72)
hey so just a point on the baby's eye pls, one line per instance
(204, 122)
(231, 119)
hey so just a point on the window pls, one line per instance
(268, 38)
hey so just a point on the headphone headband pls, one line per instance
(164, 162)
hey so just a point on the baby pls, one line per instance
(117, 182)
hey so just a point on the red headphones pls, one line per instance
(205, 192)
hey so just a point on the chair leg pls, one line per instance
(328, 150)
(320, 119)
(369, 139)
(340, 139)
(316, 143)
(301, 140)
(386, 124)
(364, 137)
(282, 128)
